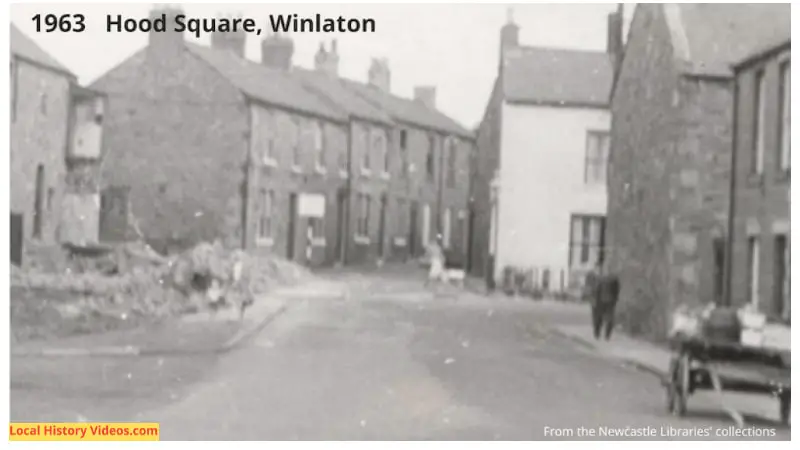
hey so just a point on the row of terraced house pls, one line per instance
(201, 143)
(666, 159)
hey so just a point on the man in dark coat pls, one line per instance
(602, 292)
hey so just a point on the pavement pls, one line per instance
(386, 359)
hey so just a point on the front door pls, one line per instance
(291, 235)
(412, 230)
(382, 226)
(719, 269)
(38, 203)
(341, 220)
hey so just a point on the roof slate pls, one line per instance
(557, 76)
(25, 47)
(265, 84)
(720, 34)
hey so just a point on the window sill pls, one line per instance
(318, 242)
(385, 175)
(297, 169)
(269, 162)
(321, 170)
(783, 175)
(366, 172)
(400, 242)
(264, 242)
(362, 240)
(343, 173)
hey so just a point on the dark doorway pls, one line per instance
(468, 232)
(412, 230)
(719, 270)
(291, 234)
(341, 221)
(17, 237)
(38, 203)
(382, 226)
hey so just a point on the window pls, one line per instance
(597, 147)
(319, 146)
(586, 240)
(757, 161)
(451, 163)
(265, 204)
(365, 151)
(429, 159)
(785, 123)
(362, 227)
(295, 143)
(753, 255)
(404, 152)
(43, 104)
(782, 278)
(402, 216)
(379, 149)
(316, 227)
(265, 135)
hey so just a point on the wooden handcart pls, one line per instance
(699, 364)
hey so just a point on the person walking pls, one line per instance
(602, 291)
(436, 272)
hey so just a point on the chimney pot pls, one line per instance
(426, 95)
(277, 52)
(379, 74)
(168, 43)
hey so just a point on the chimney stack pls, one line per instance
(277, 52)
(234, 42)
(426, 95)
(169, 43)
(379, 74)
(327, 61)
(509, 35)
(614, 45)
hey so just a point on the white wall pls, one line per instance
(542, 162)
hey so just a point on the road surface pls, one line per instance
(391, 361)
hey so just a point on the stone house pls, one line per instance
(45, 100)
(214, 146)
(365, 165)
(429, 172)
(260, 155)
(540, 191)
(760, 241)
(669, 167)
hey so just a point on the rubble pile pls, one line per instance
(132, 282)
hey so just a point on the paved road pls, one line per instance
(392, 362)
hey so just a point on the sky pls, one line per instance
(454, 47)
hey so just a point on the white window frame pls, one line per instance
(452, 160)
(598, 145)
(430, 160)
(785, 121)
(366, 160)
(585, 223)
(318, 131)
(447, 223)
(754, 267)
(758, 122)
(296, 142)
(362, 224)
(266, 204)
(426, 224)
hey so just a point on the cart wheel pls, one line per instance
(786, 409)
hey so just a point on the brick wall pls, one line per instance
(762, 205)
(645, 131)
(284, 178)
(38, 137)
(176, 133)
(487, 160)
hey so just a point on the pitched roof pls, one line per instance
(406, 110)
(557, 76)
(334, 89)
(265, 84)
(24, 47)
(710, 37)
(764, 51)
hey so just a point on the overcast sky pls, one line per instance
(454, 47)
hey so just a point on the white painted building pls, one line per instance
(546, 130)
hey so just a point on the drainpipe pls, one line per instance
(726, 297)
(348, 195)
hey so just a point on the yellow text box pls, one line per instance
(103, 431)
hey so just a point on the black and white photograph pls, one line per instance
(347, 222)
